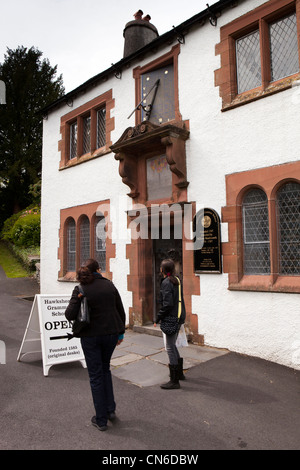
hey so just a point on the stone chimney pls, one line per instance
(138, 33)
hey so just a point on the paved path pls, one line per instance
(142, 360)
(17, 287)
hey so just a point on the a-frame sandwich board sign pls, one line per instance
(49, 332)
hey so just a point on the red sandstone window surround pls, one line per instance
(260, 53)
(86, 131)
(268, 232)
(85, 232)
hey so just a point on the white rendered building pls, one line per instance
(198, 125)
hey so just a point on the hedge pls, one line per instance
(23, 229)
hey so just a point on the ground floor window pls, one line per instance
(71, 244)
(100, 241)
(288, 212)
(263, 215)
(83, 235)
(256, 237)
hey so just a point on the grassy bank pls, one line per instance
(11, 265)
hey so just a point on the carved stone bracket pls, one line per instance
(148, 139)
(175, 153)
(128, 172)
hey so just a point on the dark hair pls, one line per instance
(168, 268)
(92, 265)
(84, 275)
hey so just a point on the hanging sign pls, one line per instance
(208, 258)
(49, 332)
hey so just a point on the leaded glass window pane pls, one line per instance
(256, 233)
(71, 245)
(100, 242)
(164, 103)
(73, 140)
(101, 127)
(288, 208)
(248, 62)
(84, 240)
(86, 141)
(284, 47)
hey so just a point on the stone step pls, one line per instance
(148, 330)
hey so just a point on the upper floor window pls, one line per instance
(261, 49)
(73, 140)
(248, 62)
(86, 134)
(280, 55)
(86, 131)
(101, 127)
(86, 138)
(284, 47)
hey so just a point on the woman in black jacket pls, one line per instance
(99, 339)
(169, 303)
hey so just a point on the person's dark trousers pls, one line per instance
(171, 348)
(98, 351)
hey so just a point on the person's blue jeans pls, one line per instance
(98, 351)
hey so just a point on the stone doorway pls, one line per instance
(164, 248)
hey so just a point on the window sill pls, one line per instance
(68, 277)
(268, 283)
(258, 93)
(85, 158)
(71, 277)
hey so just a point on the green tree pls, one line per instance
(31, 84)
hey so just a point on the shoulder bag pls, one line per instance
(83, 317)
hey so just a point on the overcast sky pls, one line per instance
(83, 37)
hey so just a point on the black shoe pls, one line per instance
(170, 385)
(174, 380)
(111, 416)
(94, 423)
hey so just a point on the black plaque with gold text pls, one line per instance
(207, 259)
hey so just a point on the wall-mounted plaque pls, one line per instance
(207, 259)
